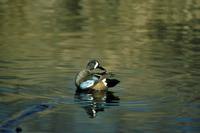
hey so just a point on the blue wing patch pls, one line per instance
(87, 84)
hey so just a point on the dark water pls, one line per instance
(152, 46)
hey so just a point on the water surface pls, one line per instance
(152, 47)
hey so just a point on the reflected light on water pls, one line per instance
(152, 47)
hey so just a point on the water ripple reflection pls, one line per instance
(152, 46)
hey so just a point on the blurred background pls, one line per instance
(152, 47)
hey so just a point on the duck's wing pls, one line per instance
(89, 82)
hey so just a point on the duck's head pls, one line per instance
(94, 64)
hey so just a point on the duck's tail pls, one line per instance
(112, 82)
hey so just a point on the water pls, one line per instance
(152, 47)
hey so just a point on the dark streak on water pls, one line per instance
(152, 46)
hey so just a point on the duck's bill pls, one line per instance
(100, 67)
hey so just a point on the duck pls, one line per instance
(94, 78)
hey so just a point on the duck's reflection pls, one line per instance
(96, 101)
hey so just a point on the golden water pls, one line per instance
(152, 46)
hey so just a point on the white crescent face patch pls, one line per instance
(96, 65)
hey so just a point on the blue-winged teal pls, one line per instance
(94, 77)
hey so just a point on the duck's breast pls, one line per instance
(100, 85)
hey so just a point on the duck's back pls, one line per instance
(81, 77)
